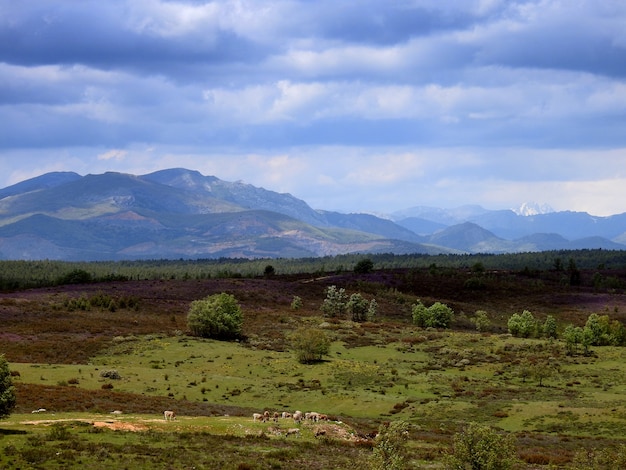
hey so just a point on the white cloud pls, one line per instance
(114, 154)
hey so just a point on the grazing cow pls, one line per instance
(313, 416)
(169, 415)
(297, 416)
(276, 416)
(257, 417)
(286, 414)
(266, 416)
(292, 431)
(323, 417)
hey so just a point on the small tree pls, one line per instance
(389, 450)
(364, 266)
(573, 336)
(523, 325)
(599, 329)
(7, 391)
(335, 303)
(441, 315)
(438, 315)
(310, 345)
(357, 306)
(420, 314)
(480, 447)
(216, 316)
(549, 327)
(372, 310)
(481, 320)
(296, 303)
(542, 370)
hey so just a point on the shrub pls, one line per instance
(7, 391)
(524, 325)
(481, 320)
(364, 266)
(296, 303)
(335, 303)
(310, 345)
(549, 327)
(216, 316)
(76, 276)
(357, 306)
(482, 448)
(438, 315)
(389, 451)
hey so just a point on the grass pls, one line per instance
(438, 381)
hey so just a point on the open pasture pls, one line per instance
(436, 380)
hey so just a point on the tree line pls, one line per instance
(16, 275)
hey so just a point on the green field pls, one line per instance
(141, 361)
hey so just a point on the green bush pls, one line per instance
(524, 325)
(357, 307)
(7, 391)
(389, 452)
(438, 315)
(480, 447)
(336, 302)
(364, 266)
(217, 316)
(296, 303)
(310, 345)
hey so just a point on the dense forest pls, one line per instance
(16, 275)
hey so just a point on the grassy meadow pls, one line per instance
(80, 365)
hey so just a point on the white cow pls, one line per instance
(297, 416)
(169, 415)
(257, 417)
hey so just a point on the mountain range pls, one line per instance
(180, 213)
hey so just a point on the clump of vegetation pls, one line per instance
(482, 448)
(296, 303)
(7, 391)
(389, 452)
(613, 458)
(523, 325)
(310, 345)
(364, 266)
(438, 315)
(76, 276)
(217, 316)
(336, 302)
(481, 320)
(360, 309)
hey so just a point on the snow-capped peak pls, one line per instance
(533, 208)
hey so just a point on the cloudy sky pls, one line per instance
(351, 105)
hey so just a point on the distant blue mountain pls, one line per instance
(180, 213)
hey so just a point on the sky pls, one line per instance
(350, 105)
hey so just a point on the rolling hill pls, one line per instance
(180, 213)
